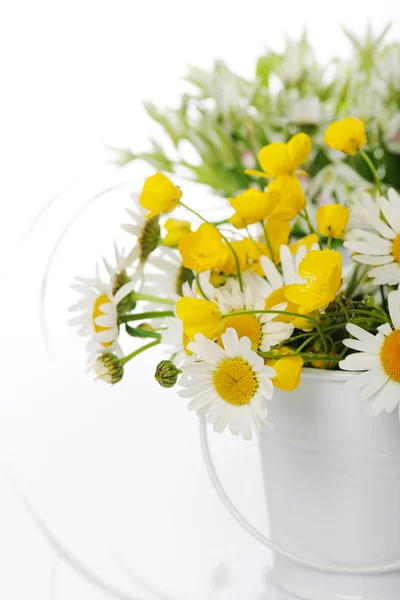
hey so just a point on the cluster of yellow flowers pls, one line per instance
(256, 301)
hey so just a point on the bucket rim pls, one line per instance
(327, 374)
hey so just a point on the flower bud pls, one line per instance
(167, 373)
(145, 327)
(369, 301)
(127, 303)
(109, 368)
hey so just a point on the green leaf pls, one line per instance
(136, 332)
(265, 66)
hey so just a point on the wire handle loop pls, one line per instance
(337, 569)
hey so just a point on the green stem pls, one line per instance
(353, 283)
(154, 299)
(200, 288)
(282, 312)
(217, 223)
(344, 309)
(372, 169)
(307, 219)
(127, 358)
(239, 273)
(329, 242)
(146, 315)
(303, 345)
(267, 240)
(307, 357)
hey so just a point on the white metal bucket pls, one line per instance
(332, 480)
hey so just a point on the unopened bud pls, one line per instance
(369, 301)
(167, 373)
(109, 368)
(145, 327)
(129, 302)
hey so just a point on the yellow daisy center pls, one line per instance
(245, 326)
(396, 248)
(235, 381)
(390, 355)
(100, 300)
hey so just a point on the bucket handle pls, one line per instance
(266, 541)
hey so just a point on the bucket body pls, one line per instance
(332, 481)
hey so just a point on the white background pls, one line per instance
(116, 474)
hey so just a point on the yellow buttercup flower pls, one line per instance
(279, 159)
(278, 234)
(176, 230)
(289, 197)
(252, 206)
(159, 195)
(307, 241)
(322, 271)
(243, 249)
(199, 316)
(288, 370)
(332, 220)
(237, 221)
(346, 136)
(203, 249)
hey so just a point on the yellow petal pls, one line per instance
(199, 316)
(275, 159)
(278, 232)
(176, 230)
(332, 220)
(159, 195)
(255, 173)
(288, 370)
(292, 199)
(307, 241)
(322, 270)
(346, 136)
(203, 249)
(252, 205)
(299, 148)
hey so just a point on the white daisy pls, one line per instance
(165, 275)
(229, 384)
(263, 331)
(379, 356)
(382, 247)
(98, 315)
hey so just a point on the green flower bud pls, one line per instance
(145, 327)
(167, 373)
(369, 301)
(108, 368)
(149, 238)
(129, 302)
(184, 275)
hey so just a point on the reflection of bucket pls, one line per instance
(332, 479)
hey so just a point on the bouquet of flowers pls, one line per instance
(240, 306)
(217, 130)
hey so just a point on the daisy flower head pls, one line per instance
(380, 247)
(146, 231)
(120, 276)
(228, 383)
(378, 356)
(165, 275)
(263, 331)
(98, 314)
